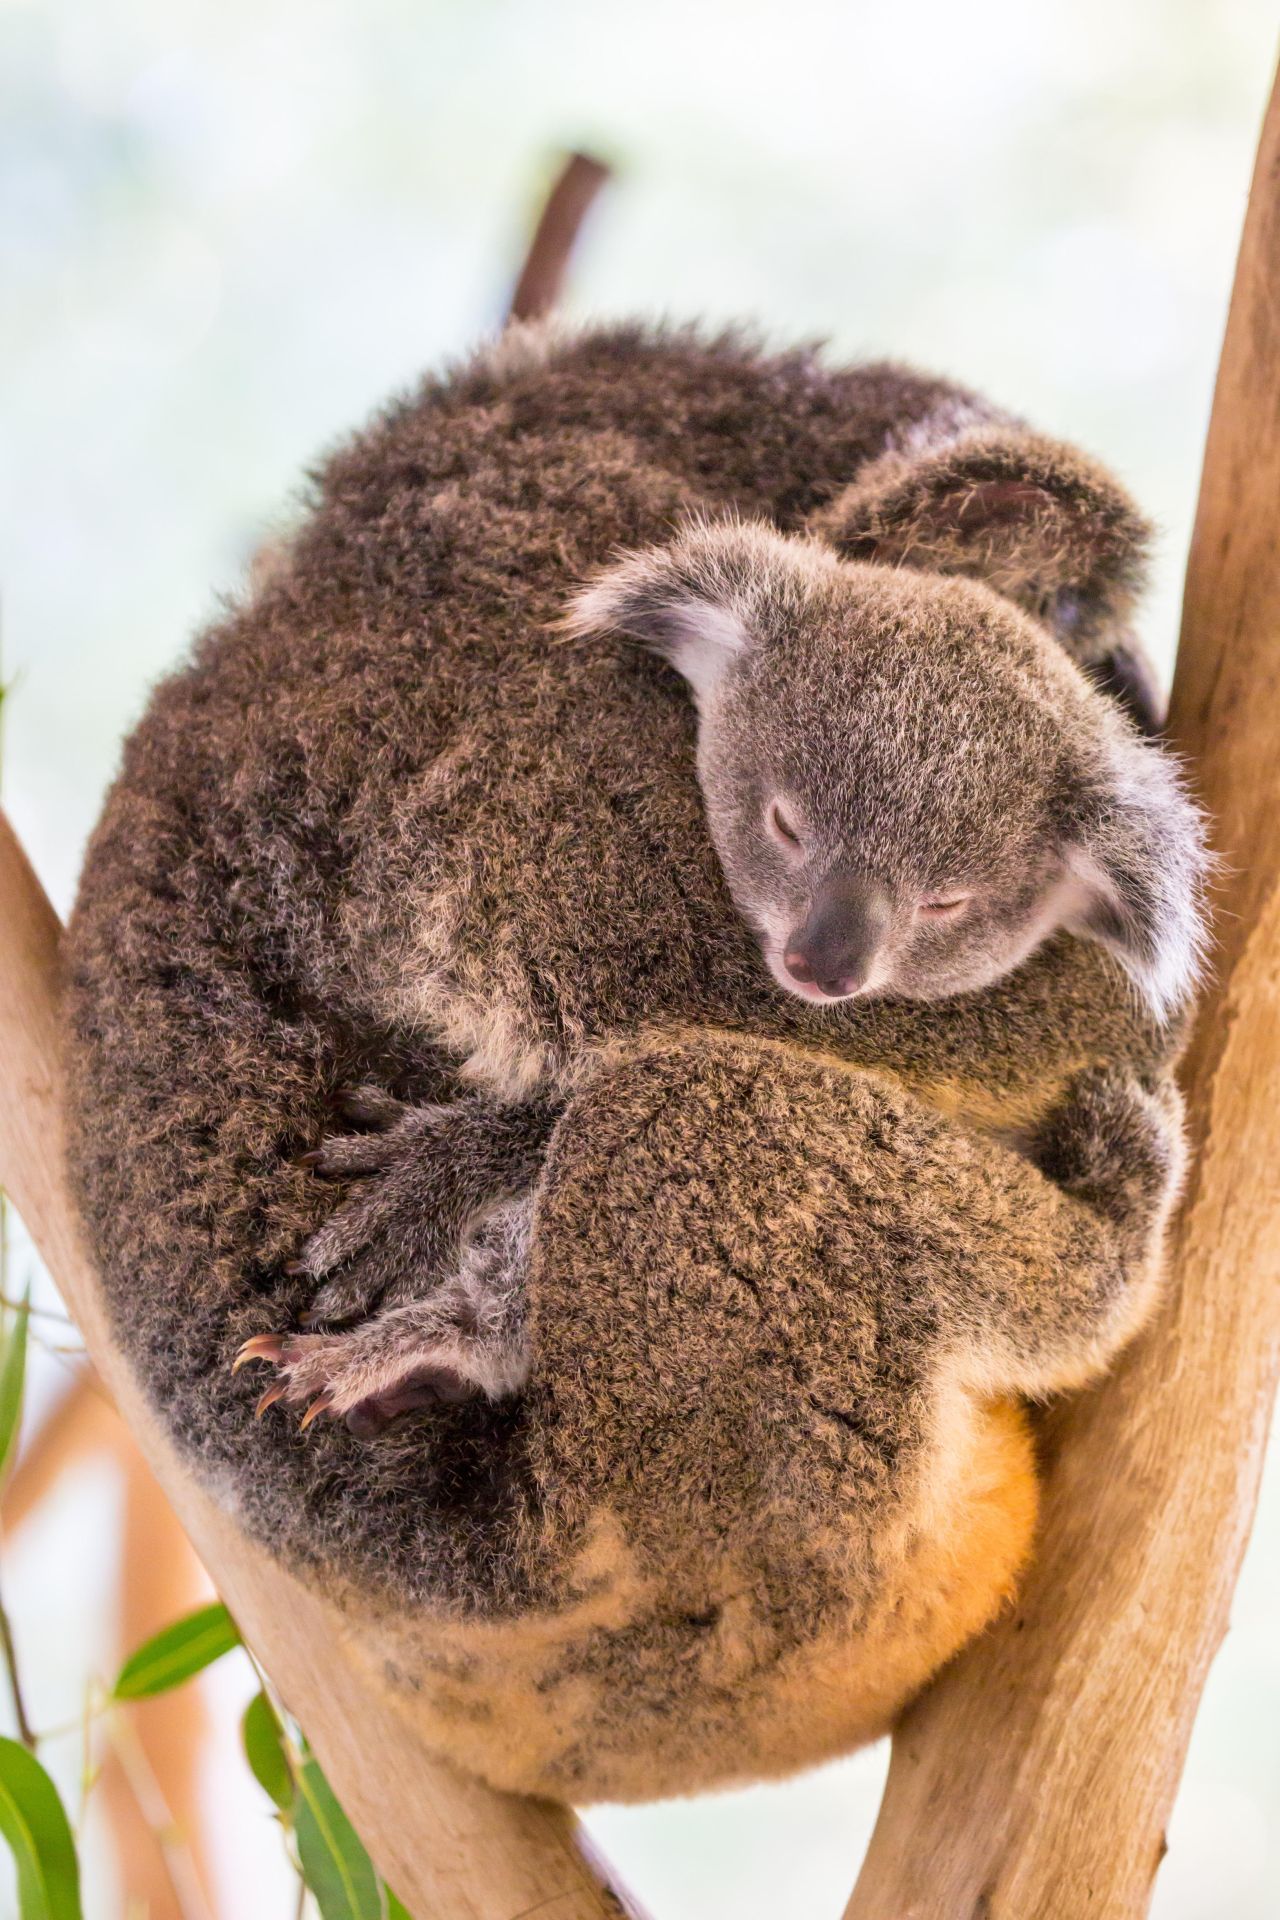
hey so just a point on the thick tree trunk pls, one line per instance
(1033, 1781)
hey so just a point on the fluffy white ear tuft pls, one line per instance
(1143, 865)
(645, 599)
(716, 590)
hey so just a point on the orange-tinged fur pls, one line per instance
(492, 1698)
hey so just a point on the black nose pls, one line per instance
(838, 942)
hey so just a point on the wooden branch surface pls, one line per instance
(546, 263)
(1034, 1780)
(452, 1849)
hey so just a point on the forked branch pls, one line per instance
(1034, 1779)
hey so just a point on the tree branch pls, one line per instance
(546, 263)
(1035, 1778)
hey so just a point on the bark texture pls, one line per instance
(1035, 1777)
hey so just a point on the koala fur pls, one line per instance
(783, 1270)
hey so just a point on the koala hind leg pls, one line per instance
(468, 1338)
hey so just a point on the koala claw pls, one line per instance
(366, 1377)
(263, 1346)
(389, 1239)
(467, 1340)
(321, 1404)
(422, 1175)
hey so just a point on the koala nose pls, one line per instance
(835, 947)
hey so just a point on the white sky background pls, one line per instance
(228, 230)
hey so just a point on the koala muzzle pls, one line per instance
(835, 948)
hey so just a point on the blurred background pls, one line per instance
(227, 231)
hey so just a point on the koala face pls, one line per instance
(908, 784)
(887, 793)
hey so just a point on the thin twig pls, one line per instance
(21, 1306)
(158, 1815)
(554, 238)
(88, 1771)
(25, 1731)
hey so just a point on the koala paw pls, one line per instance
(1115, 1143)
(467, 1339)
(421, 1173)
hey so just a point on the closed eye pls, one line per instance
(943, 906)
(781, 826)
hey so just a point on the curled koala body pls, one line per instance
(778, 1285)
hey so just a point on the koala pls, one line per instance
(908, 792)
(675, 837)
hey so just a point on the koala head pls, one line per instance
(908, 783)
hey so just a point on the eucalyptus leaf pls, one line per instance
(334, 1863)
(396, 1909)
(13, 1368)
(35, 1826)
(263, 1739)
(176, 1653)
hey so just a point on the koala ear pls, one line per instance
(645, 599)
(1142, 865)
(1030, 516)
(702, 601)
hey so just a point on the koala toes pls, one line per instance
(467, 1339)
(390, 1238)
(420, 1176)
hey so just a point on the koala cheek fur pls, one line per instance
(697, 1444)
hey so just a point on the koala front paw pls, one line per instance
(468, 1339)
(1115, 1144)
(423, 1173)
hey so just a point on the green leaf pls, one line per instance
(396, 1909)
(175, 1653)
(334, 1863)
(33, 1823)
(263, 1739)
(13, 1368)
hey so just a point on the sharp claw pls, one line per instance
(294, 1267)
(269, 1398)
(311, 1159)
(317, 1407)
(263, 1346)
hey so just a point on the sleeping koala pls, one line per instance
(909, 788)
(748, 1098)
(907, 792)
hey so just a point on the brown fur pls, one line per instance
(392, 825)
